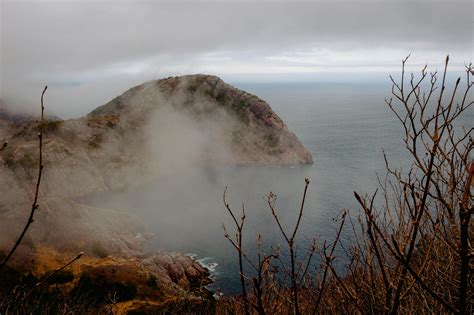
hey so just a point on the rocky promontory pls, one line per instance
(149, 129)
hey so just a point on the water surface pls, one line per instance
(344, 126)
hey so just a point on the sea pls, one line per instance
(345, 126)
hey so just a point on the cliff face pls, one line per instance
(151, 128)
(247, 124)
(196, 118)
(139, 284)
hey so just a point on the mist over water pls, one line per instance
(344, 126)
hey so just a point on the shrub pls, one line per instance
(411, 248)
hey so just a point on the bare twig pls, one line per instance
(271, 200)
(328, 260)
(239, 226)
(465, 213)
(35, 205)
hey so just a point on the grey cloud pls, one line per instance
(74, 42)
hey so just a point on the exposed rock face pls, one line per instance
(156, 278)
(144, 131)
(256, 134)
(110, 148)
(126, 285)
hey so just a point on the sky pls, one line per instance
(88, 52)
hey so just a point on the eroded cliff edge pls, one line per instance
(187, 120)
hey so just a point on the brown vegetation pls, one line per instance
(411, 248)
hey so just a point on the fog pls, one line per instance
(179, 138)
(186, 145)
(191, 156)
(91, 51)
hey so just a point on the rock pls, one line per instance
(182, 270)
(256, 134)
(125, 284)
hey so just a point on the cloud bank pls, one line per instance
(90, 51)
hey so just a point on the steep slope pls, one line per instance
(255, 133)
(151, 128)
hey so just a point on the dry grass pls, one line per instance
(411, 247)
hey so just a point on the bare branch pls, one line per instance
(35, 205)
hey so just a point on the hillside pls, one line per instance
(187, 121)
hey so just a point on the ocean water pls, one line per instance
(345, 127)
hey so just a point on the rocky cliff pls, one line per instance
(148, 129)
(196, 117)
(255, 134)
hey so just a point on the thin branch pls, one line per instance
(35, 205)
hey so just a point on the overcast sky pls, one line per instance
(90, 51)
